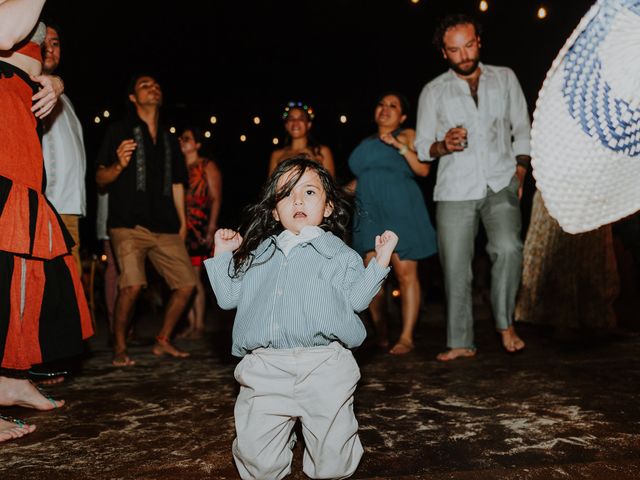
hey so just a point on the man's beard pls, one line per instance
(465, 71)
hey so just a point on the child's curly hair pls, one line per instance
(260, 223)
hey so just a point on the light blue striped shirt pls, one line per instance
(305, 299)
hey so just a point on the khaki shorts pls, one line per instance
(166, 251)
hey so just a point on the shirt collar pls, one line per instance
(326, 244)
(287, 239)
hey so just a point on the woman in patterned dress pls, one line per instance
(203, 200)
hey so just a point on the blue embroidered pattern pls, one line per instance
(600, 113)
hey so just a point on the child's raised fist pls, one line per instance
(385, 244)
(226, 240)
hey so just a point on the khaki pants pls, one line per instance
(167, 253)
(71, 222)
(279, 386)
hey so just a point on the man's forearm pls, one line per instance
(107, 175)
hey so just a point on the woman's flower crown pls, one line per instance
(303, 106)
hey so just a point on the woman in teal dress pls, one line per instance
(388, 198)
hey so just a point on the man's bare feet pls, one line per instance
(23, 393)
(13, 428)
(402, 347)
(121, 359)
(164, 347)
(511, 341)
(454, 353)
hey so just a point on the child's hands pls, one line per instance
(226, 240)
(385, 244)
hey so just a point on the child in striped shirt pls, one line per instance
(296, 286)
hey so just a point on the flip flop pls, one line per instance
(44, 393)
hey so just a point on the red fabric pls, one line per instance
(32, 50)
(22, 162)
(22, 346)
(20, 147)
(85, 316)
(14, 225)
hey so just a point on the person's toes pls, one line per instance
(121, 359)
(166, 348)
(401, 348)
(12, 428)
(455, 353)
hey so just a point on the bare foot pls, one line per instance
(402, 347)
(23, 393)
(163, 347)
(13, 428)
(511, 341)
(121, 359)
(454, 353)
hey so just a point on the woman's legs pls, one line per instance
(406, 272)
(376, 309)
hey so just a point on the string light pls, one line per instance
(484, 6)
(256, 120)
(213, 119)
(243, 138)
(343, 119)
(172, 130)
(207, 134)
(395, 293)
(275, 141)
(96, 120)
(542, 13)
(415, 1)
(103, 258)
(106, 114)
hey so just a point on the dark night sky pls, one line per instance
(237, 59)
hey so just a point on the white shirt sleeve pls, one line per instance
(426, 124)
(519, 115)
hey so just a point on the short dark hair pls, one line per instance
(451, 21)
(131, 85)
(404, 103)
(51, 23)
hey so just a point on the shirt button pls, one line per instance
(279, 292)
(284, 264)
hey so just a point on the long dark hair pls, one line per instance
(312, 143)
(260, 223)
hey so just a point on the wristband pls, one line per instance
(403, 150)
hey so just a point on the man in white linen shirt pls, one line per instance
(474, 118)
(64, 154)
